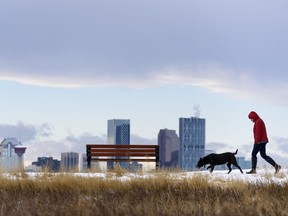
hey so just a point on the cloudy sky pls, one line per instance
(68, 66)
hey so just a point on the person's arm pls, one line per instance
(257, 132)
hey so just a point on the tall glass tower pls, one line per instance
(192, 142)
(119, 133)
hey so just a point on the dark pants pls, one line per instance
(262, 149)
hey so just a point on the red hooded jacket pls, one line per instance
(259, 129)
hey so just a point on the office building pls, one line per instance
(118, 133)
(11, 154)
(168, 142)
(70, 161)
(192, 142)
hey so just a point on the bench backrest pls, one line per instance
(122, 153)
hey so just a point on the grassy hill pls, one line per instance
(163, 193)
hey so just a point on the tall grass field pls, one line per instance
(69, 194)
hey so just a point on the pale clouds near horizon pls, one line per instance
(236, 48)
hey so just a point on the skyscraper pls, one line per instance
(118, 133)
(168, 142)
(192, 141)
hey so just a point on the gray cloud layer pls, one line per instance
(25, 132)
(230, 47)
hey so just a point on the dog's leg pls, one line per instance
(209, 167)
(212, 168)
(234, 162)
(229, 167)
(236, 165)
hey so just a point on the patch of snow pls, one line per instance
(263, 176)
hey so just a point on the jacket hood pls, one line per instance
(253, 115)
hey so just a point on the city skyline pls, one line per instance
(67, 67)
(139, 140)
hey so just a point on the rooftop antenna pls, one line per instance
(197, 110)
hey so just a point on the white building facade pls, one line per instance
(70, 161)
(9, 159)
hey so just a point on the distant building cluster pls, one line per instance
(11, 154)
(176, 152)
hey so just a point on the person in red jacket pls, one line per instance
(260, 141)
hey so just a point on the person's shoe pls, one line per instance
(277, 168)
(252, 171)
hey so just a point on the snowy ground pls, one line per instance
(262, 176)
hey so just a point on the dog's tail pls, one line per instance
(236, 152)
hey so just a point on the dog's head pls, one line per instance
(201, 163)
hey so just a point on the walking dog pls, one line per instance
(218, 159)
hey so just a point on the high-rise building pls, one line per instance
(11, 154)
(192, 142)
(118, 133)
(70, 161)
(168, 142)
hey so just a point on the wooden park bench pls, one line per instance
(122, 153)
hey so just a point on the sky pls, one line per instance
(66, 67)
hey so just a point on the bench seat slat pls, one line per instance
(92, 146)
(122, 160)
(112, 154)
(122, 150)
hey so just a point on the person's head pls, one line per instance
(253, 116)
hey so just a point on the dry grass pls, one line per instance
(64, 194)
